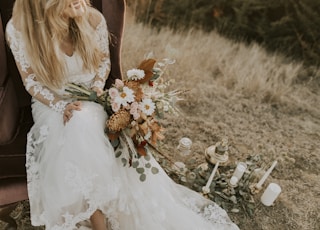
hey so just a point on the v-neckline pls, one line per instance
(67, 55)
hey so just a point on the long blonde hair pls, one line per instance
(43, 28)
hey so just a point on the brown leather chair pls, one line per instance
(15, 110)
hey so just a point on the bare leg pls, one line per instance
(98, 221)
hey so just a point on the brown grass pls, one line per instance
(251, 97)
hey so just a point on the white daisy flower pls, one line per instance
(147, 106)
(135, 74)
(125, 97)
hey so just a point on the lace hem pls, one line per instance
(75, 221)
(85, 185)
(211, 212)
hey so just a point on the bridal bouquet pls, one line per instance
(134, 106)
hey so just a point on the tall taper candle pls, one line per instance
(265, 176)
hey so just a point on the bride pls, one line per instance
(74, 179)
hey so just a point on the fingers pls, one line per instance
(98, 91)
(66, 117)
(67, 114)
(75, 105)
(75, 9)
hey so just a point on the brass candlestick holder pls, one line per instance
(218, 155)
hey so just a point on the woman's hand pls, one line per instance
(67, 114)
(97, 90)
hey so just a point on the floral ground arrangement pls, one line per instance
(252, 98)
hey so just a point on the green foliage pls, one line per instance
(290, 27)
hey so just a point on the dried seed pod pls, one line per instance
(118, 120)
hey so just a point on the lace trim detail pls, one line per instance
(75, 179)
(59, 106)
(85, 185)
(215, 214)
(104, 68)
(17, 46)
(32, 165)
(94, 195)
(98, 83)
(102, 33)
(211, 212)
(34, 87)
(103, 43)
(72, 222)
(32, 84)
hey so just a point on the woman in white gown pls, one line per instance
(73, 175)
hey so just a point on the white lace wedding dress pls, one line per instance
(72, 169)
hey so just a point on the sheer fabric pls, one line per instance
(42, 93)
(72, 169)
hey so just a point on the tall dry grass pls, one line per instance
(252, 97)
(208, 59)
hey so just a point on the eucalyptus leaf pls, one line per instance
(218, 200)
(242, 193)
(154, 170)
(233, 199)
(235, 210)
(135, 164)
(142, 177)
(147, 157)
(124, 161)
(118, 154)
(140, 170)
(250, 212)
(148, 165)
(250, 205)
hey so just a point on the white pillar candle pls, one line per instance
(270, 194)
(240, 169)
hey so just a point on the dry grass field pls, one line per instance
(251, 97)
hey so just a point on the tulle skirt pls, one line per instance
(72, 172)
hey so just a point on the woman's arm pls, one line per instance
(34, 87)
(103, 44)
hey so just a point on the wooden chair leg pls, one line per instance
(5, 212)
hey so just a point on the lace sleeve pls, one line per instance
(103, 44)
(34, 87)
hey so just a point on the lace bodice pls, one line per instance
(75, 73)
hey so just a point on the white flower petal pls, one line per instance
(147, 106)
(135, 74)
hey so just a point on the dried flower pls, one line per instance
(133, 106)
(119, 120)
(135, 74)
(135, 86)
(113, 92)
(118, 83)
